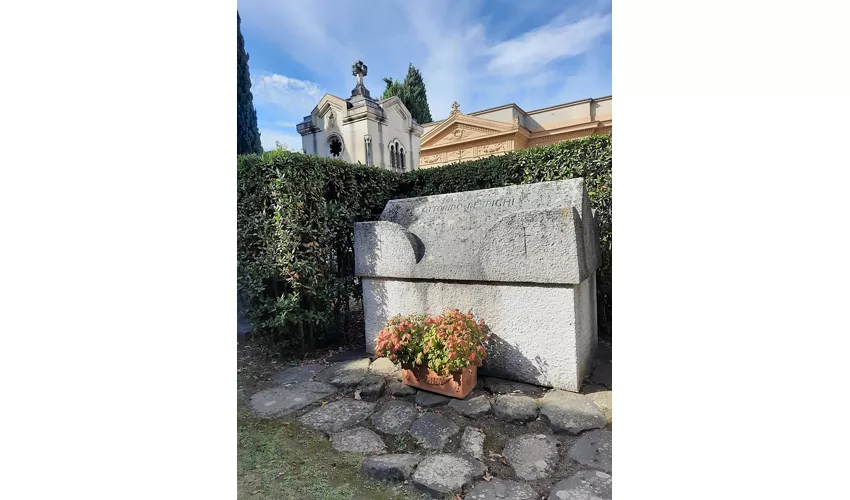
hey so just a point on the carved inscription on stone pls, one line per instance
(453, 207)
(432, 159)
(491, 148)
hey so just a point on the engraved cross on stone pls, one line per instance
(359, 70)
(524, 242)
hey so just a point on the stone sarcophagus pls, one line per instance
(521, 257)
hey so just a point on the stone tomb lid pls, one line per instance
(532, 233)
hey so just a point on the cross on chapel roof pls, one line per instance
(359, 70)
(455, 108)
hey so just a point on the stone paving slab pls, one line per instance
(358, 440)
(602, 399)
(476, 404)
(532, 456)
(295, 374)
(584, 485)
(593, 448)
(433, 431)
(399, 389)
(345, 373)
(371, 387)
(338, 415)
(395, 417)
(515, 408)
(281, 401)
(385, 368)
(568, 412)
(396, 467)
(501, 489)
(429, 399)
(501, 386)
(472, 443)
(439, 475)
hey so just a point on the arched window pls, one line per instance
(392, 155)
(402, 159)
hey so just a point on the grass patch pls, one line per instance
(282, 462)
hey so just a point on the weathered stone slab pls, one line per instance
(533, 456)
(397, 467)
(593, 448)
(358, 440)
(429, 399)
(281, 401)
(584, 485)
(371, 387)
(501, 489)
(602, 375)
(295, 374)
(505, 253)
(472, 443)
(348, 355)
(515, 408)
(433, 431)
(338, 415)
(542, 335)
(395, 417)
(384, 367)
(570, 412)
(501, 386)
(505, 234)
(439, 475)
(345, 373)
(602, 399)
(399, 389)
(474, 405)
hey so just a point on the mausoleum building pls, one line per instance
(382, 132)
(361, 129)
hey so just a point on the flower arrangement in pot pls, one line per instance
(437, 353)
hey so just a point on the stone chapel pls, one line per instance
(383, 132)
(361, 129)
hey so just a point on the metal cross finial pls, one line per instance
(359, 70)
(455, 107)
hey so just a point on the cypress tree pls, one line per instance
(417, 95)
(412, 94)
(247, 134)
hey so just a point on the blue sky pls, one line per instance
(480, 53)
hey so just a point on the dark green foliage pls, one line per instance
(296, 214)
(412, 94)
(295, 256)
(247, 134)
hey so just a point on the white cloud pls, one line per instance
(270, 137)
(463, 54)
(291, 94)
(531, 51)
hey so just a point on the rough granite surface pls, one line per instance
(338, 415)
(433, 431)
(593, 449)
(501, 489)
(439, 475)
(568, 412)
(395, 417)
(533, 456)
(281, 401)
(397, 467)
(515, 408)
(584, 485)
(358, 440)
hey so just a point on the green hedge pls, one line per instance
(295, 254)
(295, 215)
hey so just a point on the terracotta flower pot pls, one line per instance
(459, 385)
